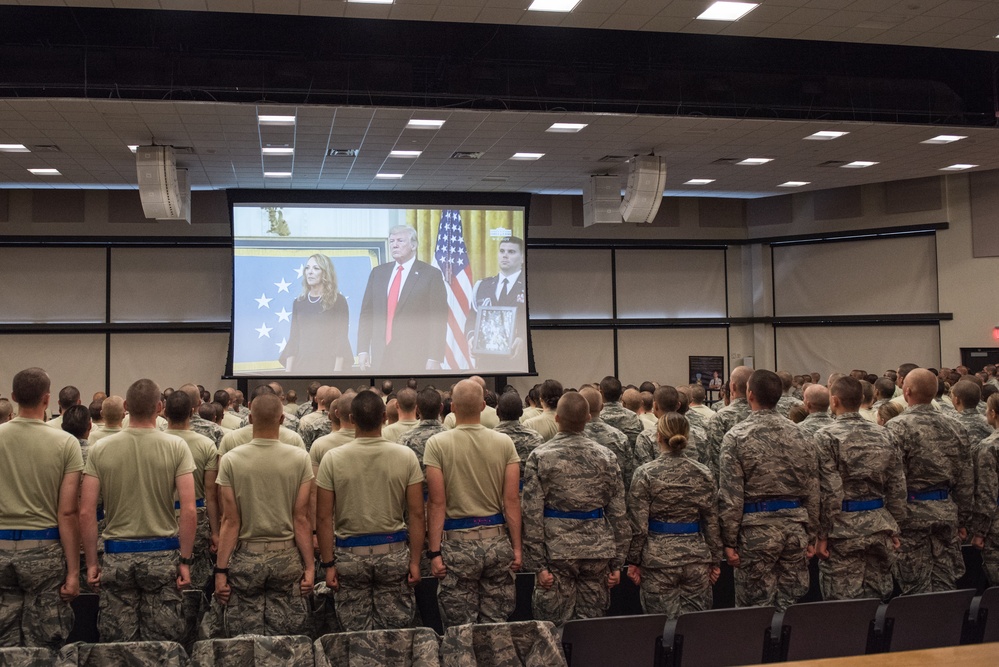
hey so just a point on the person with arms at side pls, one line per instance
(488, 417)
(787, 401)
(39, 521)
(966, 395)
(318, 343)
(199, 424)
(817, 405)
(113, 411)
(505, 289)
(68, 396)
(229, 419)
(317, 424)
(615, 414)
(544, 424)
(604, 434)
(406, 405)
(525, 440)
(728, 416)
(428, 407)
(243, 435)
(76, 422)
(985, 517)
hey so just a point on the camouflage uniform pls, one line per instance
(767, 458)
(376, 648)
(291, 422)
(524, 439)
(616, 441)
(975, 426)
(373, 591)
(936, 457)
(160, 653)
(985, 518)
(814, 422)
(314, 426)
(32, 613)
(694, 418)
(623, 419)
(139, 598)
(647, 446)
(416, 437)
(305, 409)
(286, 651)
(784, 405)
(675, 568)
(858, 461)
(720, 424)
(529, 643)
(210, 430)
(571, 473)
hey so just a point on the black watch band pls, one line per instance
(187, 561)
(432, 554)
(221, 570)
(328, 564)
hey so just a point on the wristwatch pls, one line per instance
(328, 564)
(187, 561)
(432, 554)
(221, 570)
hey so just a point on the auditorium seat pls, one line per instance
(814, 630)
(162, 654)
(987, 615)
(717, 638)
(527, 643)
(27, 657)
(429, 613)
(412, 647)
(929, 620)
(256, 650)
(624, 641)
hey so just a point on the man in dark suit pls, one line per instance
(507, 288)
(403, 324)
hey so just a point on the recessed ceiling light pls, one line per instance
(383, 175)
(826, 135)
(405, 153)
(422, 124)
(133, 147)
(277, 174)
(752, 161)
(553, 5)
(14, 148)
(274, 150)
(699, 181)
(944, 139)
(566, 127)
(45, 172)
(265, 119)
(859, 164)
(527, 156)
(959, 167)
(727, 11)
(793, 184)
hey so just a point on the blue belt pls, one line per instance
(936, 494)
(199, 502)
(141, 546)
(474, 522)
(863, 505)
(100, 512)
(18, 535)
(665, 528)
(372, 540)
(770, 506)
(522, 484)
(551, 513)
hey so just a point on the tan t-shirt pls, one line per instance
(328, 442)
(204, 453)
(393, 432)
(369, 477)
(98, 435)
(137, 469)
(487, 418)
(34, 457)
(265, 476)
(241, 436)
(473, 460)
(544, 424)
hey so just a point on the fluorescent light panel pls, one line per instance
(566, 127)
(267, 119)
(274, 150)
(384, 175)
(944, 139)
(826, 135)
(727, 11)
(45, 172)
(14, 148)
(133, 147)
(699, 181)
(423, 124)
(793, 184)
(553, 5)
(859, 164)
(959, 167)
(277, 174)
(527, 156)
(409, 154)
(755, 161)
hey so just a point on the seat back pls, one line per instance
(718, 637)
(26, 657)
(928, 620)
(412, 647)
(525, 643)
(826, 629)
(615, 640)
(990, 605)
(162, 654)
(257, 650)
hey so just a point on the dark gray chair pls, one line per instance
(624, 641)
(986, 611)
(832, 629)
(929, 620)
(718, 638)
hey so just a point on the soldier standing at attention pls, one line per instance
(428, 408)
(768, 500)
(139, 472)
(985, 519)
(509, 411)
(604, 434)
(39, 513)
(940, 481)
(366, 488)
(615, 414)
(473, 478)
(727, 417)
(576, 531)
(863, 498)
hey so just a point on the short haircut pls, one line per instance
(667, 398)
(76, 421)
(490, 398)
(367, 411)
(267, 411)
(68, 395)
(178, 407)
(766, 387)
(988, 390)
(739, 378)
(113, 409)
(509, 407)
(573, 412)
(428, 404)
(313, 388)
(386, 387)
(868, 390)
(786, 379)
(142, 397)
(973, 378)
(611, 389)
(849, 391)
(343, 405)
(262, 389)
(291, 395)
(647, 401)
(551, 391)
(407, 400)
(648, 386)
(905, 369)
(632, 399)
(207, 411)
(884, 388)
(30, 386)
(6, 410)
(683, 402)
(697, 393)
(222, 397)
(968, 393)
(871, 378)
(95, 410)
(993, 401)
(797, 413)
(515, 240)
(411, 383)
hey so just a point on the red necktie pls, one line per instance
(393, 301)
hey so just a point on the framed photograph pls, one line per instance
(495, 330)
(708, 371)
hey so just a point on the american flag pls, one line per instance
(451, 257)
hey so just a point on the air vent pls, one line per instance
(833, 163)
(342, 152)
(46, 148)
(466, 155)
(727, 160)
(614, 158)
(183, 150)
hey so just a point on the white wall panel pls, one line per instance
(170, 359)
(661, 355)
(171, 284)
(569, 284)
(573, 357)
(670, 283)
(49, 285)
(69, 359)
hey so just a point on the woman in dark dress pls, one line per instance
(318, 341)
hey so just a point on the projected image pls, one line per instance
(339, 290)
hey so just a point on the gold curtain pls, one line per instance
(477, 224)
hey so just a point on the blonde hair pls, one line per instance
(329, 282)
(889, 411)
(672, 430)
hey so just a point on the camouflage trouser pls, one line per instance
(676, 590)
(265, 597)
(859, 567)
(374, 594)
(990, 558)
(773, 569)
(201, 571)
(929, 560)
(31, 611)
(139, 599)
(479, 586)
(580, 591)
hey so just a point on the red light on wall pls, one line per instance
(995, 333)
